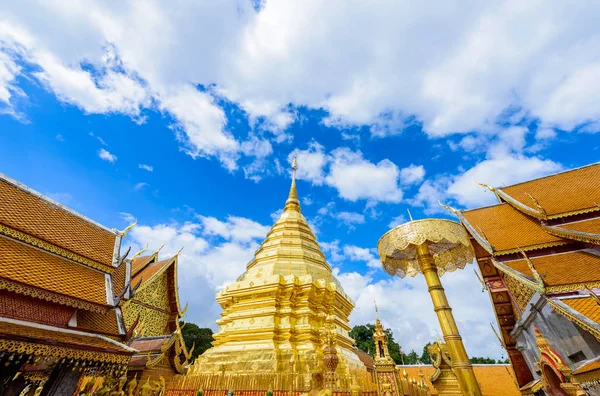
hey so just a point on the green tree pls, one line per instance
(200, 336)
(425, 358)
(411, 358)
(363, 336)
(482, 360)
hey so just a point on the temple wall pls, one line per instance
(566, 338)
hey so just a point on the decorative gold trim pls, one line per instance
(574, 213)
(516, 275)
(572, 287)
(536, 275)
(60, 352)
(573, 318)
(471, 230)
(33, 241)
(42, 294)
(589, 377)
(572, 234)
(532, 247)
(538, 213)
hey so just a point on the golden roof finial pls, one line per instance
(450, 208)
(179, 251)
(159, 249)
(537, 204)
(536, 274)
(139, 253)
(129, 227)
(592, 294)
(492, 189)
(292, 202)
(376, 309)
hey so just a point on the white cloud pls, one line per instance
(418, 323)
(149, 168)
(60, 138)
(369, 256)
(107, 156)
(234, 228)
(356, 178)
(311, 163)
(350, 218)
(497, 172)
(140, 185)
(463, 76)
(396, 221)
(412, 174)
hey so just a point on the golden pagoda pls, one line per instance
(275, 314)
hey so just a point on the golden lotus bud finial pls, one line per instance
(295, 164)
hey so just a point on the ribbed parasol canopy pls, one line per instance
(447, 240)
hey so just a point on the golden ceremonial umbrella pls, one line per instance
(433, 247)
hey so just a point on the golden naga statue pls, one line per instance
(119, 391)
(146, 389)
(131, 386)
(39, 389)
(87, 388)
(317, 388)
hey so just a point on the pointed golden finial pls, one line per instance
(537, 204)
(129, 227)
(450, 208)
(480, 279)
(536, 274)
(139, 253)
(592, 294)
(184, 311)
(179, 251)
(492, 189)
(409, 215)
(159, 249)
(376, 310)
(292, 201)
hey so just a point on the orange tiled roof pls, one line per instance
(27, 265)
(150, 270)
(564, 192)
(149, 344)
(118, 279)
(365, 358)
(561, 269)
(586, 306)
(138, 263)
(36, 216)
(494, 380)
(26, 332)
(591, 226)
(506, 228)
(105, 323)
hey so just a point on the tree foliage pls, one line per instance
(201, 336)
(363, 336)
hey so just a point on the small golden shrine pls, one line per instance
(154, 313)
(59, 295)
(275, 312)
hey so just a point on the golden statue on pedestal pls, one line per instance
(317, 386)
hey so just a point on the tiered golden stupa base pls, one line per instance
(274, 324)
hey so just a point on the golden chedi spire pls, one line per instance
(273, 313)
(290, 246)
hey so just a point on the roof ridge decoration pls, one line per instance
(129, 227)
(536, 275)
(572, 234)
(518, 276)
(593, 295)
(482, 240)
(52, 202)
(52, 248)
(538, 212)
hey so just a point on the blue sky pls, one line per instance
(187, 118)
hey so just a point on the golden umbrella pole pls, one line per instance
(432, 247)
